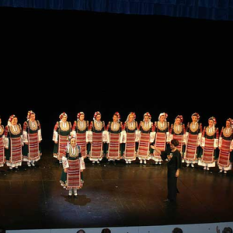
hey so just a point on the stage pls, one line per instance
(112, 196)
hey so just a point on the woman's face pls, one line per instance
(73, 142)
(228, 124)
(177, 121)
(98, 117)
(162, 118)
(32, 117)
(81, 118)
(131, 118)
(64, 118)
(115, 118)
(146, 118)
(194, 118)
(14, 121)
(211, 123)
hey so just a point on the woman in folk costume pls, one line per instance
(145, 138)
(61, 134)
(193, 140)
(114, 128)
(177, 131)
(162, 138)
(73, 166)
(209, 144)
(13, 143)
(98, 138)
(130, 137)
(225, 147)
(2, 143)
(31, 138)
(79, 130)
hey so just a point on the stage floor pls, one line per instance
(112, 196)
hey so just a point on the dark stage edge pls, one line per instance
(113, 196)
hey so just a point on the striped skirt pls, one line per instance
(130, 146)
(208, 151)
(74, 175)
(224, 154)
(144, 146)
(2, 152)
(63, 140)
(33, 147)
(160, 143)
(191, 147)
(114, 146)
(96, 146)
(81, 141)
(16, 151)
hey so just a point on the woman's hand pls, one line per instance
(65, 170)
(177, 173)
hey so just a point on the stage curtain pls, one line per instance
(199, 9)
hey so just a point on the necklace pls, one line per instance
(227, 132)
(194, 126)
(33, 125)
(64, 126)
(115, 126)
(76, 152)
(15, 130)
(210, 131)
(82, 125)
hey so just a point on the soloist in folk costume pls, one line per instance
(73, 166)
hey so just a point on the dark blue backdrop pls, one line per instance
(202, 9)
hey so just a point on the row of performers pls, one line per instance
(147, 140)
(19, 144)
